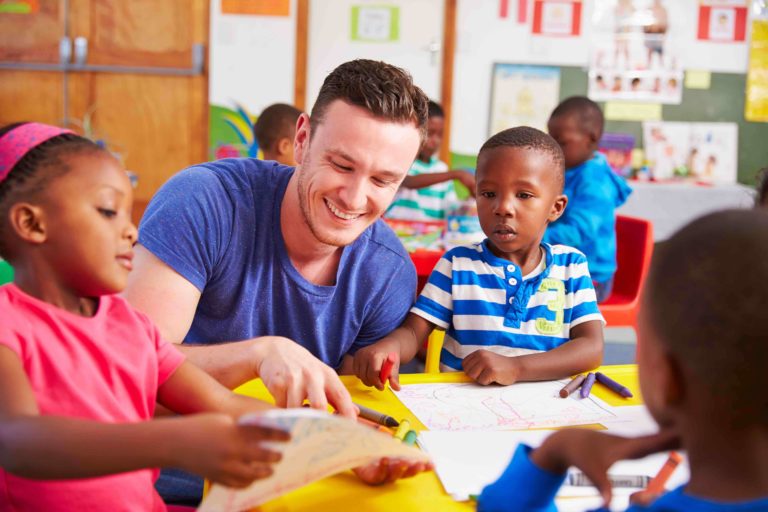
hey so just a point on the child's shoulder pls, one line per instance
(563, 255)
(471, 251)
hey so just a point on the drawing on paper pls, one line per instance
(469, 406)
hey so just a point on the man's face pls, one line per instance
(349, 172)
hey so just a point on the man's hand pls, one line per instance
(216, 447)
(369, 360)
(388, 470)
(594, 453)
(292, 374)
(485, 367)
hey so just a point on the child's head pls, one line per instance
(435, 127)
(577, 125)
(702, 350)
(761, 199)
(65, 209)
(274, 131)
(520, 177)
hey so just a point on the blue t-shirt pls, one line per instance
(218, 225)
(589, 221)
(527, 488)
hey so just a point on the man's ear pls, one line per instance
(558, 207)
(28, 222)
(301, 140)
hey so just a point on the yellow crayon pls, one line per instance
(403, 429)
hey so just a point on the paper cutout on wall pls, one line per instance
(557, 17)
(375, 23)
(723, 21)
(257, 7)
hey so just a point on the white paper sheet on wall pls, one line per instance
(320, 445)
(522, 406)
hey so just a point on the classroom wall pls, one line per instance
(483, 38)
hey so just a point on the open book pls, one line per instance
(321, 445)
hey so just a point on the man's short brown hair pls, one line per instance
(384, 90)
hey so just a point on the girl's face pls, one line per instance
(89, 233)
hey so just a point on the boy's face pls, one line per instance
(435, 127)
(518, 194)
(89, 233)
(577, 143)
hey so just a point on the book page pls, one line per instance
(521, 406)
(321, 445)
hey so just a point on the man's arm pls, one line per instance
(290, 372)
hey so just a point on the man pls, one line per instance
(292, 267)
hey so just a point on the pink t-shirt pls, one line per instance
(105, 368)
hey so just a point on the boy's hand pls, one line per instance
(368, 361)
(216, 447)
(485, 367)
(594, 453)
(466, 178)
(389, 470)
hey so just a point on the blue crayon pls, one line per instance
(613, 385)
(586, 387)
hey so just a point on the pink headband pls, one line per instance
(17, 143)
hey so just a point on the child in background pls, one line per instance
(427, 192)
(594, 191)
(274, 131)
(701, 364)
(514, 308)
(761, 199)
(80, 369)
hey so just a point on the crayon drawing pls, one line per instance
(469, 406)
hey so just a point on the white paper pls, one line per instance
(320, 445)
(521, 406)
(466, 462)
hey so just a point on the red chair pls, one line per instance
(634, 247)
(425, 262)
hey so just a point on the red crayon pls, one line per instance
(386, 367)
(657, 483)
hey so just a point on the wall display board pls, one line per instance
(523, 95)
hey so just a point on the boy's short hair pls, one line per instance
(434, 109)
(761, 198)
(587, 112)
(705, 300)
(384, 90)
(530, 138)
(275, 122)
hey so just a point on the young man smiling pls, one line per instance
(293, 266)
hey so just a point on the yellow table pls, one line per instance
(422, 492)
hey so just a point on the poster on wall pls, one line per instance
(557, 17)
(704, 152)
(756, 104)
(375, 23)
(722, 21)
(522, 95)
(633, 52)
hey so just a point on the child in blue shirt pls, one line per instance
(594, 191)
(513, 308)
(701, 363)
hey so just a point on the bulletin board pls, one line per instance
(723, 101)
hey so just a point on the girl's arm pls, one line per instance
(52, 447)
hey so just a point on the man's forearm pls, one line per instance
(232, 363)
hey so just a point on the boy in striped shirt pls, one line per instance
(513, 308)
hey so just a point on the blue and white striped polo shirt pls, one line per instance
(484, 301)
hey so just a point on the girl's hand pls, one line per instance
(388, 470)
(216, 447)
(594, 453)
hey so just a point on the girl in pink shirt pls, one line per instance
(80, 369)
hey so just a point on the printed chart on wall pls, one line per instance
(522, 95)
(633, 52)
(521, 406)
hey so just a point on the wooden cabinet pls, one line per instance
(114, 84)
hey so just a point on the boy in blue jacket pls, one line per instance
(701, 364)
(594, 191)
